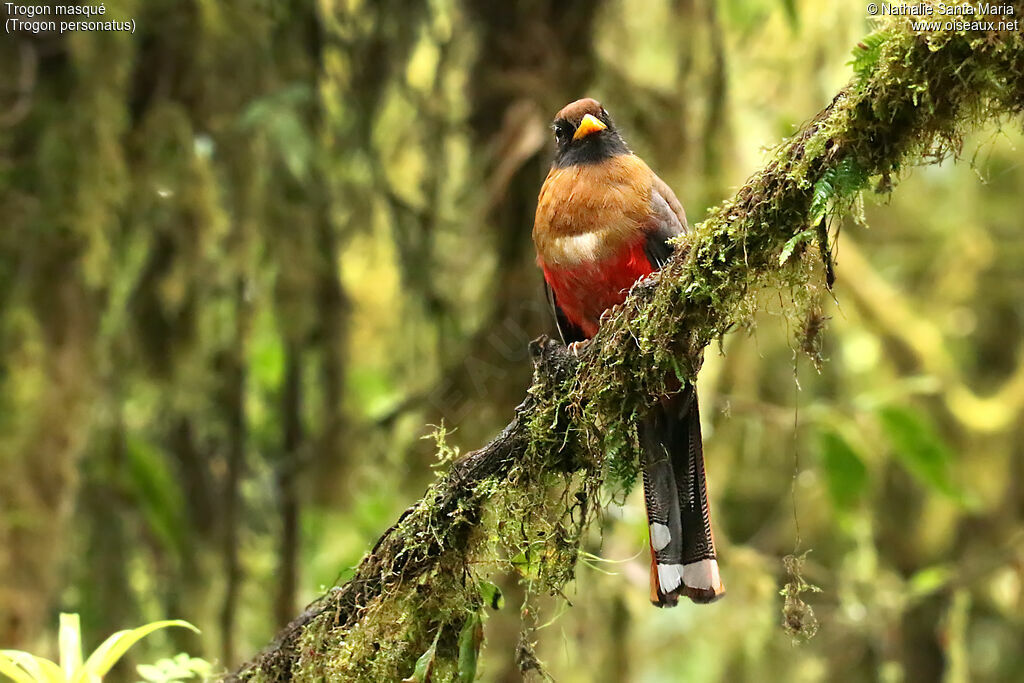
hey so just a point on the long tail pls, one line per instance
(683, 560)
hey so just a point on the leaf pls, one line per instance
(920, 449)
(70, 642)
(491, 595)
(197, 666)
(840, 182)
(470, 638)
(14, 672)
(846, 476)
(50, 671)
(425, 664)
(114, 647)
(28, 667)
(149, 672)
(791, 245)
(823, 194)
(26, 662)
(179, 668)
(867, 52)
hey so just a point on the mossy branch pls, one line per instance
(415, 596)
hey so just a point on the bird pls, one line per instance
(603, 222)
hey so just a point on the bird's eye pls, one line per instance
(562, 133)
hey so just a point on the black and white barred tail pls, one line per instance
(683, 560)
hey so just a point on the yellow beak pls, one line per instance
(589, 124)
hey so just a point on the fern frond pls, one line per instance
(867, 52)
(841, 182)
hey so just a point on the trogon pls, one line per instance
(604, 221)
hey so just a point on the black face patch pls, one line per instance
(591, 149)
(563, 132)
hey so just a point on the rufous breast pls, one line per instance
(586, 213)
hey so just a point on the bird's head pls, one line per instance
(585, 134)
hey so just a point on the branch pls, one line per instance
(417, 590)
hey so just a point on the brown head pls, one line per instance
(585, 134)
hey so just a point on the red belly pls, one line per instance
(586, 291)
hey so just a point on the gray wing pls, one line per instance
(668, 220)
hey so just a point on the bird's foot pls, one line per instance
(611, 312)
(577, 347)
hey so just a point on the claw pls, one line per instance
(611, 312)
(577, 347)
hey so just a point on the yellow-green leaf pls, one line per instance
(114, 647)
(70, 642)
(9, 668)
(38, 669)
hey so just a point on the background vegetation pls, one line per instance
(250, 254)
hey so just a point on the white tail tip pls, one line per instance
(702, 575)
(698, 581)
